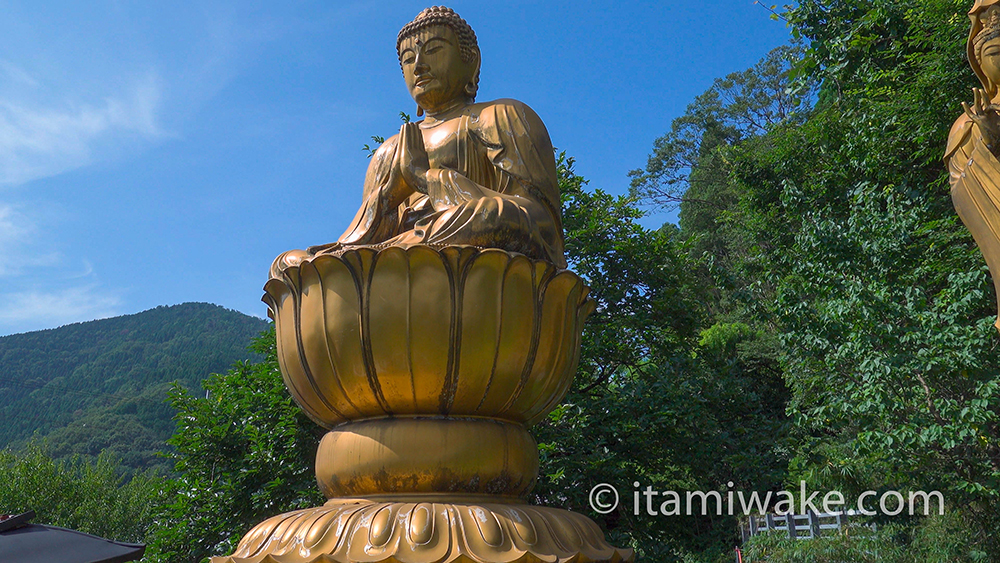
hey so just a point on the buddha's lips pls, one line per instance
(423, 80)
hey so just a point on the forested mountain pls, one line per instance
(103, 384)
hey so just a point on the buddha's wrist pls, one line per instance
(432, 180)
(421, 179)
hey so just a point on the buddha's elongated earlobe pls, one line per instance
(420, 111)
(472, 86)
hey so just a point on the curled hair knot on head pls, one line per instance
(468, 45)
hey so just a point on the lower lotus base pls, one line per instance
(424, 530)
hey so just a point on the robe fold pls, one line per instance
(974, 173)
(503, 193)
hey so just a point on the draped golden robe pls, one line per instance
(975, 191)
(502, 193)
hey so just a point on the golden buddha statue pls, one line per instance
(469, 174)
(974, 141)
(427, 339)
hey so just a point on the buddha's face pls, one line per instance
(990, 60)
(433, 67)
(989, 52)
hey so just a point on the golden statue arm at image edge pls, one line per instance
(974, 169)
(429, 337)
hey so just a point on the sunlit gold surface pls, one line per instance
(423, 330)
(471, 173)
(431, 531)
(974, 142)
(440, 325)
(423, 455)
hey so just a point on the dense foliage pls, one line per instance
(832, 230)
(102, 385)
(244, 452)
(663, 397)
(77, 493)
(943, 539)
(884, 302)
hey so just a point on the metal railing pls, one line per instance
(800, 526)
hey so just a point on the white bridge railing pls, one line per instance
(801, 526)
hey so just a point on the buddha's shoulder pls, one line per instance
(507, 105)
(388, 146)
(961, 125)
(958, 134)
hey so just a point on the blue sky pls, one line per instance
(154, 153)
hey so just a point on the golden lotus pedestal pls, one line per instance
(427, 365)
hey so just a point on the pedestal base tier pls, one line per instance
(408, 455)
(427, 531)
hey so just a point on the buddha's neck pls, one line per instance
(444, 112)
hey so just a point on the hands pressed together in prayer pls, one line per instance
(409, 167)
(414, 163)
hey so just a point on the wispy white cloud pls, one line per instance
(16, 75)
(32, 310)
(16, 233)
(13, 226)
(14, 229)
(39, 139)
(85, 270)
(44, 289)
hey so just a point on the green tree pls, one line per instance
(832, 235)
(843, 244)
(885, 303)
(82, 494)
(660, 398)
(243, 453)
(689, 167)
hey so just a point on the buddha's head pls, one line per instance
(984, 44)
(439, 56)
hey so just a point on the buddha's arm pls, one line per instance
(384, 190)
(448, 188)
(520, 150)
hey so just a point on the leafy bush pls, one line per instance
(244, 453)
(938, 539)
(81, 494)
